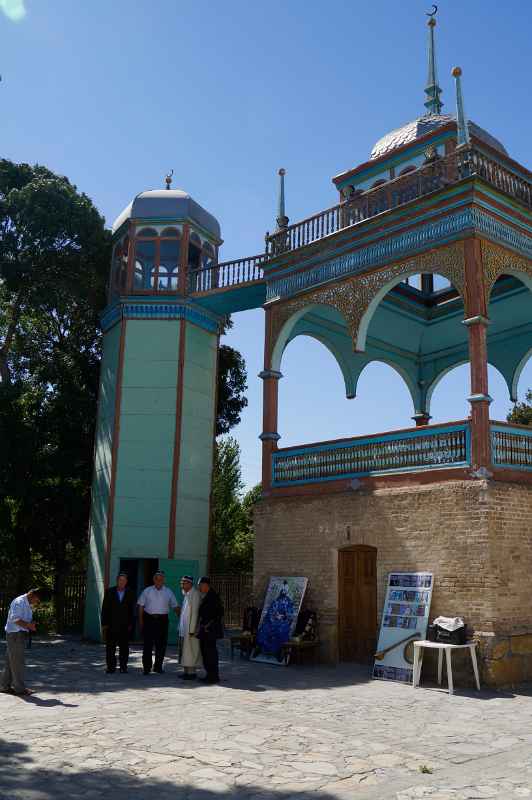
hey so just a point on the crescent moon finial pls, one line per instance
(434, 11)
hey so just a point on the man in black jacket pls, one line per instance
(210, 629)
(118, 612)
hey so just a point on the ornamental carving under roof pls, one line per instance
(497, 261)
(353, 296)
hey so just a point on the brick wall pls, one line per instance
(475, 536)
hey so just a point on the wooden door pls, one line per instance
(357, 603)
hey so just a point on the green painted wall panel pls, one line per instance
(101, 482)
(153, 338)
(142, 510)
(137, 455)
(199, 387)
(142, 541)
(148, 400)
(156, 374)
(159, 431)
(147, 434)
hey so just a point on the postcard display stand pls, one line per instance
(404, 620)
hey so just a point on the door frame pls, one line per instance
(350, 548)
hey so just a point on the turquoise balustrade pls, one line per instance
(511, 446)
(413, 450)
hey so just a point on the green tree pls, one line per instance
(54, 256)
(521, 413)
(232, 513)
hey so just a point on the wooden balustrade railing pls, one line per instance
(415, 449)
(226, 274)
(430, 177)
(511, 446)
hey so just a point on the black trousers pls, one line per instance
(155, 635)
(209, 654)
(117, 638)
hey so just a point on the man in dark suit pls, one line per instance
(118, 612)
(210, 629)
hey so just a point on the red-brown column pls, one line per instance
(479, 398)
(477, 322)
(269, 435)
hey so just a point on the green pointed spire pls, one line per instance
(433, 104)
(282, 219)
(461, 120)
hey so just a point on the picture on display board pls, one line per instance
(279, 617)
(405, 620)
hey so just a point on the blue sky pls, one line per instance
(114, 94)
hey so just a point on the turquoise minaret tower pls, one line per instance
(156, 413)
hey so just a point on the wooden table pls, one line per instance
(448, 648)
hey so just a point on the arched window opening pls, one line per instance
(207, 256)
(144, 273)
(170, 233)
(379, 182)
(449, 401)
(114, 280)
(406, 170)
(312, 402)
(194, 252)
(146, 233)
(524, 383)
(123, 264)
(168, 265)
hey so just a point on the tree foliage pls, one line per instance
(521, 413)
(232, 511)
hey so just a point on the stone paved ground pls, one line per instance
(267, 733)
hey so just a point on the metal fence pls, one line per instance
(236, 592)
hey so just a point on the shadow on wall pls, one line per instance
(20, 777)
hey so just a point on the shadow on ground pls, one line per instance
(66, 666)
(22, 779)
(63, 666)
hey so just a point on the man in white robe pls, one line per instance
(190, 651)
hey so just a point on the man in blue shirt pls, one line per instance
(19, 624)
(118, 616)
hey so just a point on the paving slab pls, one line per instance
(266, 732)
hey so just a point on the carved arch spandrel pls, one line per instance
(497, 261)
(352, 297)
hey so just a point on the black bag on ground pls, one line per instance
(447, 630)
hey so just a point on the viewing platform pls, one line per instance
(415, 450)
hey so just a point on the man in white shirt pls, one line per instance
(189, 645)
(19, 624)
(154, 605)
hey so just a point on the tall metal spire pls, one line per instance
(433, 104)
(282, 219)
(461, 119)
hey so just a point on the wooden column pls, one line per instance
(476, 322)
(269, 436)
(270, 402)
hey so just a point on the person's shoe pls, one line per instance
(7, 691)
(23, 693)
(147, 671)
(123, 670)
(159, 671)
(208, 679)
(110, 671)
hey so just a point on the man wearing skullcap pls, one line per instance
(118, 615)
(154, 606)
(189, 646)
